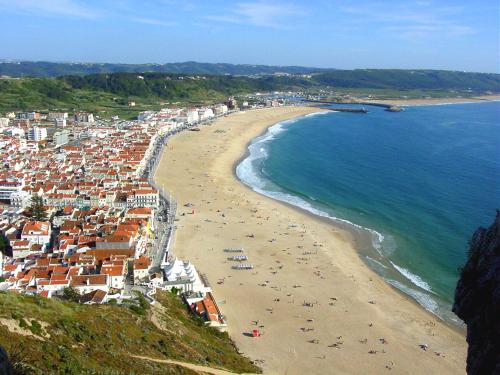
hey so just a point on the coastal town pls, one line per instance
(81, 215)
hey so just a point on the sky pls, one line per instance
(342, 34)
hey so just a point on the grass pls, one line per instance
(99, 339)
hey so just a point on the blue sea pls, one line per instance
(412, 186)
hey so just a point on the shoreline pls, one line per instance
(343, 265)
(352, 230)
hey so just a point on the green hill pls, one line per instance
(55, 69)
(397, 79)
(48, 336)
(109, 94)
(112, 92)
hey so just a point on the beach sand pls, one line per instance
(403, 102)
(320, 309)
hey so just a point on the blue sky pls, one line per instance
(440, 34)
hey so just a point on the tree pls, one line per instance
(4, 244)
(71, 294)
(37, 209)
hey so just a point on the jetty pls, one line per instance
(388, 107)
(352, 110)
(339, 109)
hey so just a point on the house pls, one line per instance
(208, 310)
(95, 297)
(116, 274)
(141, 268)
(37, 232)
(143, 198)
(20, 248)
(10, 187)
(84, 284)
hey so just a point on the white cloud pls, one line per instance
(260, 14)
(422, 19)
(70, 8)
(153, 21)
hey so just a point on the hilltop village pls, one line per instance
(80, 214)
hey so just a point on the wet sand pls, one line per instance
(320, 309)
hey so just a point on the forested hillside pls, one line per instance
(110, 93)
(54, 69)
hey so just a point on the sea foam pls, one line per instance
(248, 172)
(415, 279)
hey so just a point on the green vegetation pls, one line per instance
(4, 244)
(397, 79)
(70, 294)
(107, 95)
(37, 209)
(51, 69)
(62, 337)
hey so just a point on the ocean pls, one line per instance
(412, 186)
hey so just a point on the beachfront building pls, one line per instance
(220, 109)
(209, 311)
(143, 198)
(205, 113)
(183, 275)
(192, 116)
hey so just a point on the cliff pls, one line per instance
(477, 300)
(51, 336)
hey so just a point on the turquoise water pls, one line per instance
(419, 181)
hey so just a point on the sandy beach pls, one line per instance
(404, 102)
(320, 309)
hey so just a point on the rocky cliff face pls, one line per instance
(5, 366)
(477, 301)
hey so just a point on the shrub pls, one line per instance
(36, 328)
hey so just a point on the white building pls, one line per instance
(14, 131)
(37, 232)
(205, 113)
(220, 109)
(37, 134)
(61, 138)
(10, 187)
(57, 115)
(83, 117)
(183, 275)
(192, 116)
(60, 122)
(4, 122)
(143, 198)
(141, 268)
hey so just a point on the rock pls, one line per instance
(477, 300)
(5, 365)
